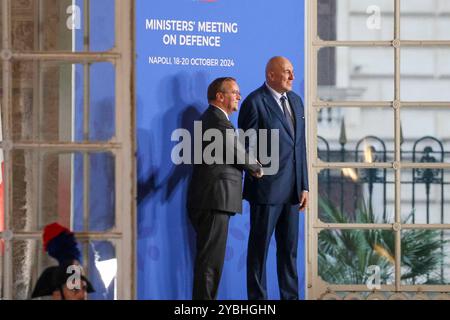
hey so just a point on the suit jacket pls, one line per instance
(260, 111)
(219, 186)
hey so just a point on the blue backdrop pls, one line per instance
(171, 94)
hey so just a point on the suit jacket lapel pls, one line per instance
(299, 114)
(275, 108)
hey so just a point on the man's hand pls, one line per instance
(303, 200)
(258, 174)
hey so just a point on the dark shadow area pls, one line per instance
(162, 185)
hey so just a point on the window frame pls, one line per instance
(316, 287)
(122, 145)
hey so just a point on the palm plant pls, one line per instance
(345, 255)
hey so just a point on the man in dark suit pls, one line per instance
(276, 199)
(215, 190)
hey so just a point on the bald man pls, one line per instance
(276, 200)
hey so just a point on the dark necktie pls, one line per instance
(287, 115)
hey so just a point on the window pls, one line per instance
(67, 95)
(380, 149)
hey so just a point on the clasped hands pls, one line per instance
(258, 173)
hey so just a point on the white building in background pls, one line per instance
(367, 74)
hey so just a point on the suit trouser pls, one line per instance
(211, 227)
(264, 219)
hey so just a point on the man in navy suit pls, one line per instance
(275, 200)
